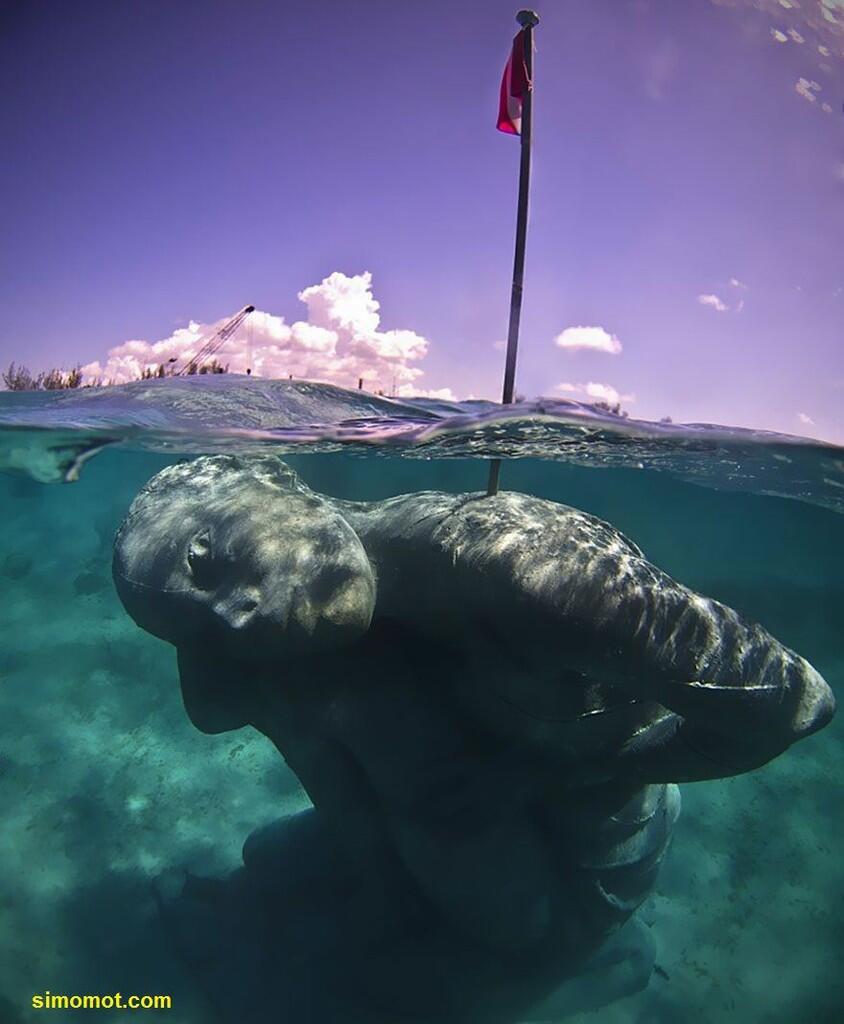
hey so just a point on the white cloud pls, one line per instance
(828, 11)
(595, 339)
(597, 391)
(340, 342)
(500, 345)
(712, 300)
(795, 35)
(343, 302)
(807, 89)
(607, 393)
(805, 419)
(780, 37)
(734, 281)
(409, 391)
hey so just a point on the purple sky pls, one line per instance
(167, 162)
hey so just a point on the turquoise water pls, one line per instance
(106, 786)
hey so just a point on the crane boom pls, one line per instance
(215, 342)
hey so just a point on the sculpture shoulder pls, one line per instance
(477, 527)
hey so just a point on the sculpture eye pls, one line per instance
(201, 561)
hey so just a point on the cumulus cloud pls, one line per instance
(805, 419)
(780, 37)
(607, 393)
(340, 341)
(713, 301)
(734, 281)
(596, 391)
(445, 394)
(595, 339)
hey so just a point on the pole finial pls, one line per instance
(527, 18)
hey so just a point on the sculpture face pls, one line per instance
(246, 565)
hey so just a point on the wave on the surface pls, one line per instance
(50, 435)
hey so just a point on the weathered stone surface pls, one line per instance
(488, 701)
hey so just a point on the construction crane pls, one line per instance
(214, 343)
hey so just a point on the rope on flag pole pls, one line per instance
(515, 118)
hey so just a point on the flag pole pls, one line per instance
(528, 20)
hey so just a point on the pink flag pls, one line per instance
(514, 87)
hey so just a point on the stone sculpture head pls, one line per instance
(236, 561)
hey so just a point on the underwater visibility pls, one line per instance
(300, 725)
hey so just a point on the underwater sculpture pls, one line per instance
(488, 701)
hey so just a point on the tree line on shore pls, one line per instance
(18, 377)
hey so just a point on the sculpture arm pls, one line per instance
(559, 585)
(738, 697)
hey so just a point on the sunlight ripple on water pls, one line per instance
(50, 436)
